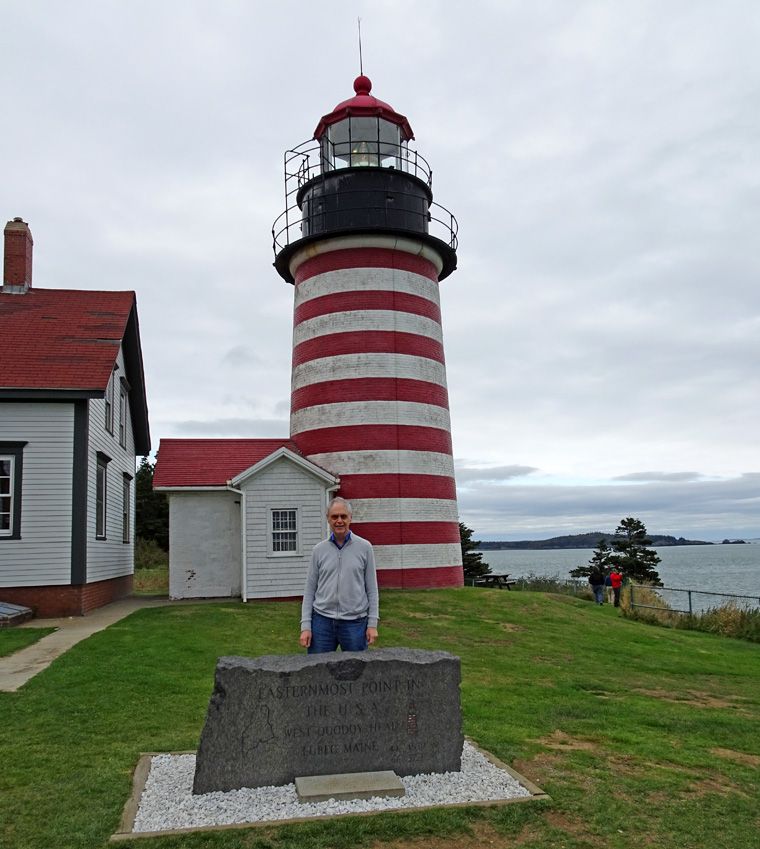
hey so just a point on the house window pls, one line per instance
(7, 475)
(11, 457)
(125, 507)
(284, 531)
(109, 405)
(101, 496)
(123, 417)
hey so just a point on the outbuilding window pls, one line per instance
(283, 531)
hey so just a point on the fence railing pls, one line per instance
(675, 600)
(643, 596)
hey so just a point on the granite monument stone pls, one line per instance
(274, 718)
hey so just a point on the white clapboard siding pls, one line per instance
(204, 544)
(43, 554)
(110, 557)
(282, 486)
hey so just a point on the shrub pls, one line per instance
(554, 584)
(150, 555)
(728, 620)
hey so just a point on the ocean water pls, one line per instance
(733, 569)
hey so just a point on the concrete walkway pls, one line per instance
(16, 669)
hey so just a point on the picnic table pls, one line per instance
(496, 579)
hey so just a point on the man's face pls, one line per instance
(339, 519)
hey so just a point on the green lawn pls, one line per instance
(642, 736)
(14, 639)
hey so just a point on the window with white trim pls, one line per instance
(7, 476)
(101, 496)
(283, 525)
(11, 459)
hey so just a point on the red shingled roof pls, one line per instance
(61, 338)
(210, 462)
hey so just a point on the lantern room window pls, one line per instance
(357, 142)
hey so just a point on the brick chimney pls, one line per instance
(17, 271)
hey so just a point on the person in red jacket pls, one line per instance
(617, 580)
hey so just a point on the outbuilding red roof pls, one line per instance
(210, 462)
(61, 338)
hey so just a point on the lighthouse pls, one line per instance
(366, 248)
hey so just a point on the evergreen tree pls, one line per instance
(631, 555)
(151, 508)
(472, 560)
(600, 559)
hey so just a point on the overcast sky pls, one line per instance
(602, 330)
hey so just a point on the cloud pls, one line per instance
(242, 428)
(240, 355)
(685, 508)
(648, 477)
(468, 474)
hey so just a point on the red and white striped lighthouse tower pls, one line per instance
(369, 400)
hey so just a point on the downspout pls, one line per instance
(243, 546)
(329, 495)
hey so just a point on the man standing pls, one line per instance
(340, 599)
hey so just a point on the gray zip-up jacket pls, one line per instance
(341, 582)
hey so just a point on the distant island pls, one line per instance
(581, 541)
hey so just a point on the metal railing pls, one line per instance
(306, 162)
(690, 602)
(288, 227)
(672, 599)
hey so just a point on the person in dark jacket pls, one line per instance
(596, 579)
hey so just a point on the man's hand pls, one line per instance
(306, 638)
(371, 635)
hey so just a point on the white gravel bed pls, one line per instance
(168, 801)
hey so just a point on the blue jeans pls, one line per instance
(598, 593)
(327, 634)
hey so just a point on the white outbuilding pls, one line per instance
(244, 515)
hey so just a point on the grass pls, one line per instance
(151, 581)
(15, 639)
(151, 568)
(642, 736)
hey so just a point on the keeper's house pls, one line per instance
(73, 417)
(244, 515)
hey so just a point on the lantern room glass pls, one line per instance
(360, 142)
